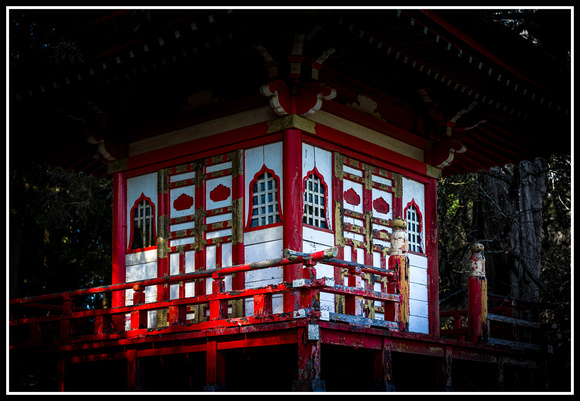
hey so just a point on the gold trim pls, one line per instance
(117, 166)
(432, 171)
(291, 121)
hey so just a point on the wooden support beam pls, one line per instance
(384, 367)
(215, 367)
(292, 209)
(309, 361)
(399, 262)
(477, 295)
(134, 374)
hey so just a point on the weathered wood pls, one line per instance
(477, 295)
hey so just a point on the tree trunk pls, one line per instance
(510, 224)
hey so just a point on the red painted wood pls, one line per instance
(119, 243)
(292, 208)
(432, 251)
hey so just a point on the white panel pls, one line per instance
(141, 257)
(141, 272)
(307, 158)
(219, 233)
(217, 218)
(212, 184)
(360, 255)
(146, 185)
(388, 197)
(182, 177)
(419, 324)
(418, 308)
(253, 162)
(417, 275)
(218, 167)
(189, 225)
(189, 267)
(226, 254)
(318, 236)
(417, 260)
(176, 193)
(263, 277)
(210, 257)
(353, 171)
(418, 292)
(358, 189)
(173, 264)
(265, 235)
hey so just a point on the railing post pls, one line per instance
(138, 317)
(218, 309)
(66, 325)
(399, 262)
(477, 295)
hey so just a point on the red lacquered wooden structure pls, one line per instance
(275, 211)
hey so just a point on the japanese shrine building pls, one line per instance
(275, 203)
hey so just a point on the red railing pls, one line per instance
(489, 318)
(63, 322)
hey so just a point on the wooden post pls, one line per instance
(384, 367)
(119, 246)
(292, 209)
(477, 295)
(399, 262)
(61, 373)
(138, 317)
(134, 374)
(309, 361)
(218, 309)
(67, 325)
(215, 367)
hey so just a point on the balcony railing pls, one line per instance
(490, 318)
(63, 321)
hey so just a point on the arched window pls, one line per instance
(143, 233)
(315, 200)
(414, 220)
(265, 203)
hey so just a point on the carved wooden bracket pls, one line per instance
(301, 99)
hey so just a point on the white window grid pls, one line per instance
(314, 202)
(143, 235)
(265, 209)
(413, 229)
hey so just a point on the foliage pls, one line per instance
(61, 228)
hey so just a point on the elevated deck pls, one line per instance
(208, 343)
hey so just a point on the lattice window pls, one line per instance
(414, 228)
(143, 229)
(314, 202)
(265, 205)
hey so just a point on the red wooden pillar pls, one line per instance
(238, 279)
(292, 211)
(134, 374)
(215, 367)
(162, 256)
(399, 262)
(384, 367)
(431, 244)
(309, 361)
(477, 295)
(119, 245)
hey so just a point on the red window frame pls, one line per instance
(257, 176)
(420, 216)
(153, 225)
(316, 173)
